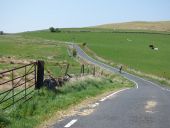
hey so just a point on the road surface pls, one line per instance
(146, 106)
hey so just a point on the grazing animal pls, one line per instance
(129, 40)
(156, 49)
(151, 46)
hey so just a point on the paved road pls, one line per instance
(146, 106)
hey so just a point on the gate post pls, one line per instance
(82, 69)
(66, 72)
(40, 74)
(94, 71)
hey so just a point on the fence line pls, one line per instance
(23, 80)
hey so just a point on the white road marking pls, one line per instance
(133, 82)
(103, 99)
(94, 105)
(151, 112)
(70, 123)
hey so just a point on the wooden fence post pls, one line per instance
(40, 74)
(66, 72)
(83, 69)
(94, 71)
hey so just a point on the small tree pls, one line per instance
(84, 44)
(52, 29)
(1, 32)
(74, 52)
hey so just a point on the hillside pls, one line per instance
(138, 25)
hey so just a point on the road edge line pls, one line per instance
(105, 98)
(70, 123)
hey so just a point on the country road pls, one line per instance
(146, 106)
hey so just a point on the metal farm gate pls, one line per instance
(18, 84)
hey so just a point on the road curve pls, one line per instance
(147, 106)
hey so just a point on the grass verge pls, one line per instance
(46, 103)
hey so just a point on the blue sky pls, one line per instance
(27, 15)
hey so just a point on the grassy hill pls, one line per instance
(139, 25)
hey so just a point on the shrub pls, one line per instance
(52, 29)
(4, 122)
(1, 32)
(84, 44)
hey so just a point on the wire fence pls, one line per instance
(18, 84)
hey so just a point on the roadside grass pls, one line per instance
(130, 49)
(46, 103)
(19, 93)
(4, 121)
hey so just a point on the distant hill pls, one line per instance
(138, 25)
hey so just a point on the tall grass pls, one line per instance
(45, 103)
(4, 120)
(54, 53)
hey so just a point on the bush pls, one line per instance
(1, 32)
(84, 44)
(52, 29)
(4, 122)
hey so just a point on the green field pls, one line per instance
(130, 49)
(54, 53)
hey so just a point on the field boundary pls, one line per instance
(120, 31)
(18, 84)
